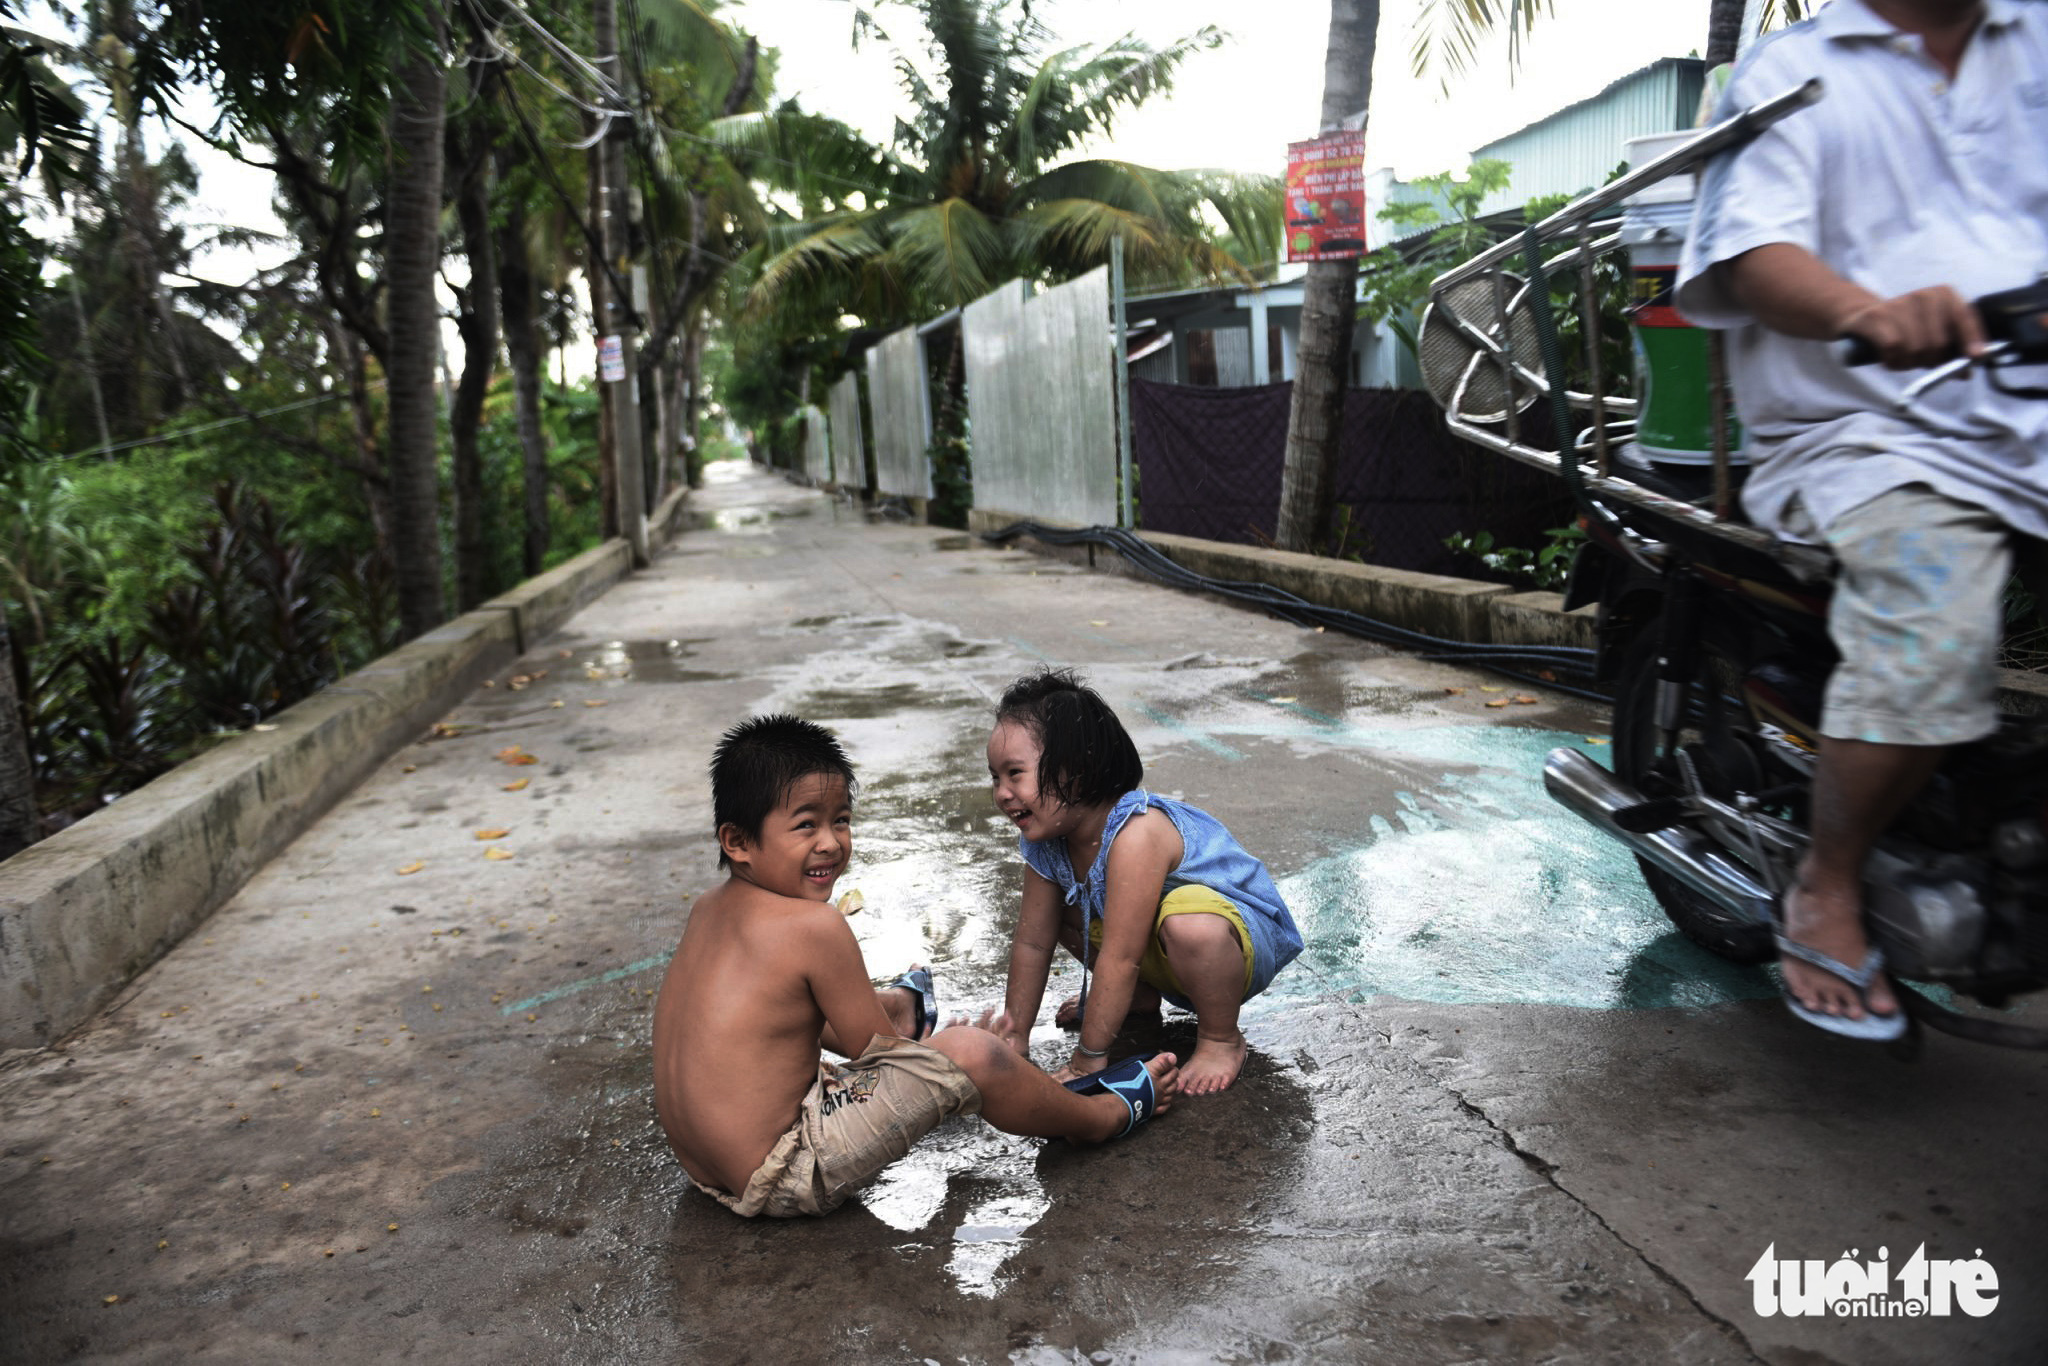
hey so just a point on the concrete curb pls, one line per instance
(1458, 609)
(87, 909)
(1437, 604)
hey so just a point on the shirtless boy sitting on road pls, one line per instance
(768, 972)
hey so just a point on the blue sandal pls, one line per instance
(1873, 1027)
(1130, 1081)
(918, 982)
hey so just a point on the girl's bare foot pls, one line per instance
(1213, 1065)
(1144, 1003)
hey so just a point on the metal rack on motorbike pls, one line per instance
(1714, 637)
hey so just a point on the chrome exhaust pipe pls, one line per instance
(1592, 793)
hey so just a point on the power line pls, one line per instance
(182, 433)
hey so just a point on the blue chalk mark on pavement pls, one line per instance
(585, 984)
(1200, 738)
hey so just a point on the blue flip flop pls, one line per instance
(1129, 1081)
(1873, 1027)
(918, 981)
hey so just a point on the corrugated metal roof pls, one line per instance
(1579, 146)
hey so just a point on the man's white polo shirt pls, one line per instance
(1898, 179)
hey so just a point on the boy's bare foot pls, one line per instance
(1144, 1002)
(1166, 1088)
(1214, 1065)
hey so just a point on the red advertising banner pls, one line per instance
(1326, 197)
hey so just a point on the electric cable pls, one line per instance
(1155, 564)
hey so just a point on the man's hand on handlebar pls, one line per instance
(1916, 330)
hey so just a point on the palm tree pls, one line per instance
(412, 260)
(979, 184)
(1448, 32)
(1328, 306)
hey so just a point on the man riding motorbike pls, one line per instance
(1919, 182)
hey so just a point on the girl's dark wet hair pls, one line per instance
(1085, 756)
(758, 761)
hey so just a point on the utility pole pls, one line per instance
(619, 320)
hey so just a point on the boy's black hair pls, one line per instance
(758, 761)
(1085, 756)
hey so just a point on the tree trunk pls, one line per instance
(1724, 32)
(17, 770)
(1329, 307)
(693, 398)
(664, 429)
(522, 346)
(348, 354)
(412, 259)
(478, 325)
(593, 271)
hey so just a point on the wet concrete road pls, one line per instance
(1496, 1113)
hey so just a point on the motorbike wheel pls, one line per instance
(1653, 771)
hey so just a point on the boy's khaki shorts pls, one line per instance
(857, 1118)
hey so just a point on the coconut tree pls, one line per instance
(1447, 33)
(982, 182)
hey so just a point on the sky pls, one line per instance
(1237, 107)
(1234, 108)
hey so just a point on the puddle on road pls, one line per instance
(1481, 890)
(644, 661)
(750, 521)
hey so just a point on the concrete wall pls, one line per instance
(87, 909)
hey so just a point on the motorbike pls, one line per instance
(1712, 637)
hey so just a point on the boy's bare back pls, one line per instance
(737, 1026)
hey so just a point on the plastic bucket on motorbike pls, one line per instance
(1675, 424)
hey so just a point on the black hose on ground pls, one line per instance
(1152, 562)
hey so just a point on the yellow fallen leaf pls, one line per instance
(592, 702)
(519, 786)
(1487, 687)
(411, 868)
(376, 1114)
(410, 768)
(1282, 701)
(494, 833)
(1522, 699)
(488, 683)
(1598, 740)
(110, 1299)
(558, 702)
(286, 1186)
(852, 903)
(521, 760)
(1098, 623)
(162, 1243)
(391, 1228)
(531, 1018)
(1498, 702)
(497, 853)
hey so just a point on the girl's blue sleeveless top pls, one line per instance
(1211, 857)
